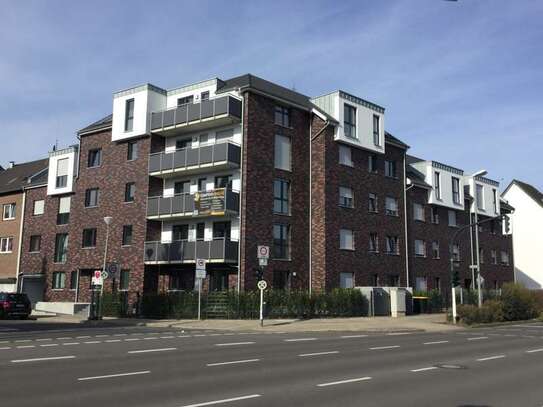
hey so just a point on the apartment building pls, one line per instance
(526, 221)
(442, 200)
(12, 181)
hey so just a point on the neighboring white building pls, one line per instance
(526, 224)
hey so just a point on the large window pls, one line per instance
(392, 245)
(494, 257)
(346, 280)
(437, 184)
(495, 200)
(281, 241)
(346, 239)
(74, 280)
(124, 281)
(59, 280)
(130, 192)
(391, 206)
(223, 181)
(91, 197)
(132, 151)
(390, 169)
(372, 163)
(61, 248)
(376, 130)
(6, 244)
(281, 196)
(345, 155)
(181, 187)
(127, 235)
(62, 173)
(282, 152)
(221, 230)
(349, 120)
(39, 207)
(372, 203)
(420, 248)
(224, 135)
(129, 115)
(63, 216)
(94, 158)
(35, 244)
(282, 116)
(452, 218)
(374, 243)
(183, 143)
(479, 197)
(89, 238)
(185, 100)
(9, 211)
(435, 249)
(456, 190)
(505, 258)
(346, 197)
(418, 212)
(180, 232)
(434, 215)
(456, 252)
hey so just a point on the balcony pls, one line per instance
(219, 202)
(195, 160)
(219, 250)
(220, 111)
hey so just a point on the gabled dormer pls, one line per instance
(62, 170)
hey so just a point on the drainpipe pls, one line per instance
(241, 190)
(20, 250)
(405, 223)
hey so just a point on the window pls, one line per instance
(421, 284)
(456, 252)
(393, 280)
(183, 143)
(346, 197)
(6, 245)
(346, 239)
(504, 258)
(61, 247)
(35, 243)
(74, 280)
(177, 282)
(481, 256)
(91, 197)
(95, 158)
(185, 100)
(434, 215)
(224, 135)
(62, 173)
(181, 187)
(392, 245)
(223, 181)
(9, 211)
(437, 284)
(390, 169)
(437, 185)
(221, 230)
(281, 196)
(391, 206)
(495, 200)
(372, 163)
(204, 95)
(203, 139)
(132, 151)
(349, 121)
(456, 190)
(375, 281)
(346, 280)
(493, 227)
(376, 131)
(281, 241)
(39, 207)
(345, 156)
(435, 249)
(479, 197)
(420, 248)
(374, 243)
(127, 235)
(372, 203)
(418, 212)
(63, 216)
(202, 184)
(282, 116)
(180, 232)
(124, 280)
(129, 115)
(89, 238)
(452, 218)
(281, 280)
(494, 256)
(282, 152)
(200, 231)
(59, 280)
(130, 192)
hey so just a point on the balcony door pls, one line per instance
(223, 181)
(182, 187)
(218, 281)
(180, 232)
(221, 230)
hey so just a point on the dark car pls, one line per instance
(14, 305)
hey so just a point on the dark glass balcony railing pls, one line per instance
(220, 250)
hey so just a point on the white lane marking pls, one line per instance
(528, 326)
(44, 339)
(199, 336)
(152, 350)
(5, 348)
(49, 344)
(184, 336)
(64, 337)
(303, 355)
(400, 333)
(353, 336)
(151, 338)
(385, 347)
(424, 369)
(491, 358)
(92, 342)
(359, 379)
(510, 335)
(167, 337)
(42, 359)
(300, 339)
(82, 337)
(131, 339)
(120, 335)
(235, 362)
(234, 343)
(229, 334)
(26, 346)
(210, 403)
(534, 350)
(23, 340)
(477, 338)
(112, 340)
(114, 375)
(435, 342)
(70, 343)
(100, 336)
(4, 341)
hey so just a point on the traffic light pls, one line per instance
(259, 273)
(506, 225)
(456, 278)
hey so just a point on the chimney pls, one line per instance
(11, 164)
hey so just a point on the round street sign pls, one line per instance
(263, 252)
(262, 285)
(104, 275)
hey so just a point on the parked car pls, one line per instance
(14, 305)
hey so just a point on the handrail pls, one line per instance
(197, 103)
(192, 193)
(195, 148)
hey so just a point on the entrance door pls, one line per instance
(219, 281)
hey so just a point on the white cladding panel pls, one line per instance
(68, 164)
(169, 184)
(196, 92)
(446, 184)
(488, 208)
(167, 226)
(526, 225)
(211, 137)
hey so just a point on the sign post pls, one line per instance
(262, 286)
(200, 275)
(263, 254)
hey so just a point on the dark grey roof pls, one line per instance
(417, 178)
(101, 124)
(506, 207)
(529, 190)
(14, 179)
(410, 159)
(389, 138)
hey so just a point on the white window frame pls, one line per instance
(420, 248)
(283, 145)
(391, 210)
(38, 207)
(346, 155)
(9, 211)
(6, 245)
(435, 250)
(344, 235)
(346, 199)
(437, 184)
(455, 224)
(418, 212)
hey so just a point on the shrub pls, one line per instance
(491, 311)
(518, 302)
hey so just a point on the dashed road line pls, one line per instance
(26, 346)
(353, 336)
(71, 343)
(358, 379)
(234, 343)
(300, 339)
(385, 347)
(234, 362)
(477, 338)
(435, 342)
(490, 358)
(152, 350)
(303, 355)
(42, 359)
(534, 350)
(47, 345)
(112, 340)
(424, 369)
(91, 342)
(114, 375)
(211, 403)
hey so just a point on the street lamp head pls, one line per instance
(108, 220)
(480, 173)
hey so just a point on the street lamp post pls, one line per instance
(107, 221)
(476, 203)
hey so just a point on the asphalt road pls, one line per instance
(136, 366)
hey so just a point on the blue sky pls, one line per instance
(462, 82)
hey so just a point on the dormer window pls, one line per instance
(479, 197)
(185, 100)
(456, 190)
(282, 116)
(204, 95)
(129, 115)
(349, 120)
(437, 184)
(376, 130)
(62, 173)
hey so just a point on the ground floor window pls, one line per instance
(421, 284)
(124, 280)
(179, 282)
(74, 280)
(393, 281)
(59, 280)
(281, 280)
(346, 280)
